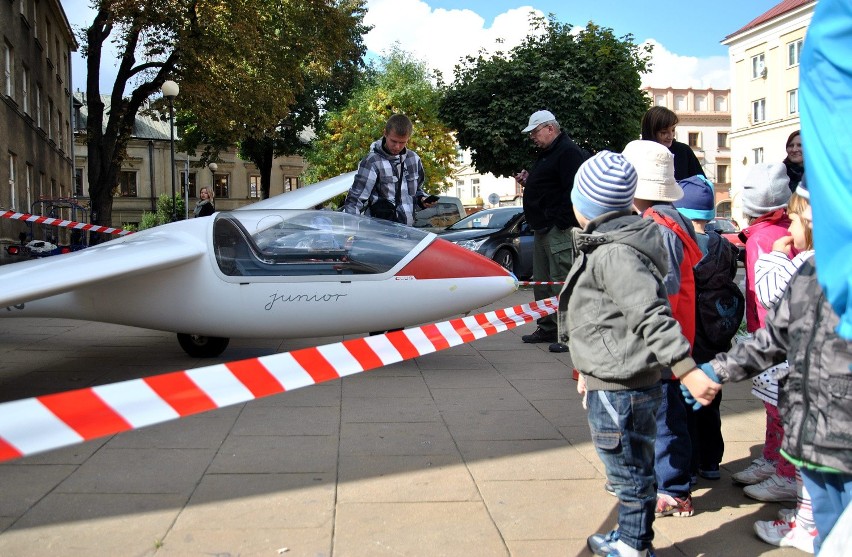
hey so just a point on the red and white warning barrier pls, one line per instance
(36, 219)
(33, 425)
(538, 283)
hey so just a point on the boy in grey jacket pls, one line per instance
(615, 317)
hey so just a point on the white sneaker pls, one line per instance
(759, 470)
(785, 534)
(773, 489)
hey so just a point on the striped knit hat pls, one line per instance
(604, 183)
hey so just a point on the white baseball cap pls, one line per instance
(537, 119)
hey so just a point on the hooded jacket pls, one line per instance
(758, 239)
(614, 312)
(815, 401)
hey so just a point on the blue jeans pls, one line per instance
(673, 447)
(830, 494)
(623, 428)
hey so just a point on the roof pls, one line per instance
(780, 9)
(144, 127)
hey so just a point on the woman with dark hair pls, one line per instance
(658, 124)
(795, 161)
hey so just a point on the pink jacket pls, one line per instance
(758, 238)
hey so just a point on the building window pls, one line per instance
(49, 118)
(13, 162)
(793, 101)
(758, 111)
(183, 180)
(8, 70)
(254, 187)
(126, 184)
(291, 183)
(221, 183)
(794, 51)
(680, 103)
(701, 103)
(694, 139)
(721, 103)
(758, 65)
(722, 140)
(757, 155)
(38, 106)
(659, 100)
(29, 177)
(722, 173)
(25, 89)
(78, 182)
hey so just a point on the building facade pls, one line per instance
(481, 191)
(704, 123)
(36, 141)
(764, 57)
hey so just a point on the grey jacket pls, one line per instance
(614, 312)
(815, 399)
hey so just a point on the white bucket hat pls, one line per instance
(654, 164)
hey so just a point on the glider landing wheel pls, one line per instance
(199, 346)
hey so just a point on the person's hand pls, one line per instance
(783, 244)
(426, 204)
(699, 386)
(581, 388)
(521, 177)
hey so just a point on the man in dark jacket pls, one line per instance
(550, 213)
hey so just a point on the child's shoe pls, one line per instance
(785, 534)
(758, 470)
(608, 545)
(673, 506)
(773, 489)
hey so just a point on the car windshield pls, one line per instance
(722, 225)
(492, 219)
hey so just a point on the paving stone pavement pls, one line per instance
(482, 449)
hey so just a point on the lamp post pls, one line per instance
(212, 166)
(170, 91)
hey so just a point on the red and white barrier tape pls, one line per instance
(538, 283)
(36, 219)
(33, 425)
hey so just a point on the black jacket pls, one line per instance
(547, 192)
(685, 162)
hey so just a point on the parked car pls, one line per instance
(730, 232)
(501, 234)
(447, 210)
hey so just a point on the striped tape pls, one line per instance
(537, 283)
(34, 425)
(36, 219)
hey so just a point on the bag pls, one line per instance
(384, 209)
(720, 304)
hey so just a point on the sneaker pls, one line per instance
(609, 489)
(710, 473)
(773, 489)
(673, 506)
(558, 347)
(759, 470)
(608, 545)
(540, 335)
(787, 515)
(785, 534)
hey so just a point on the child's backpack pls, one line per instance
(720, 304)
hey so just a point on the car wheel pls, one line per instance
(506, 259)
(199, 346)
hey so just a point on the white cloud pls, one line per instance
(441, 37)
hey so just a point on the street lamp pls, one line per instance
(212, 166)
(170, 91)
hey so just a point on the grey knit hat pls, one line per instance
(604, 183)
(766, 189)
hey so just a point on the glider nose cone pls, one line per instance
(443, 260)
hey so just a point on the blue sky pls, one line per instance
(686, 34)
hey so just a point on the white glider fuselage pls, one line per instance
(264, 273)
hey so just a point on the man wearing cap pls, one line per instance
(550, 212)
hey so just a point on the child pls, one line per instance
(764, 198)
(655, 191)
(718, 312)
(614, 316)
(773, 270)
(814, 395)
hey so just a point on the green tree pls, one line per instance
(589, 79)
(401, 84)
(240, 65)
